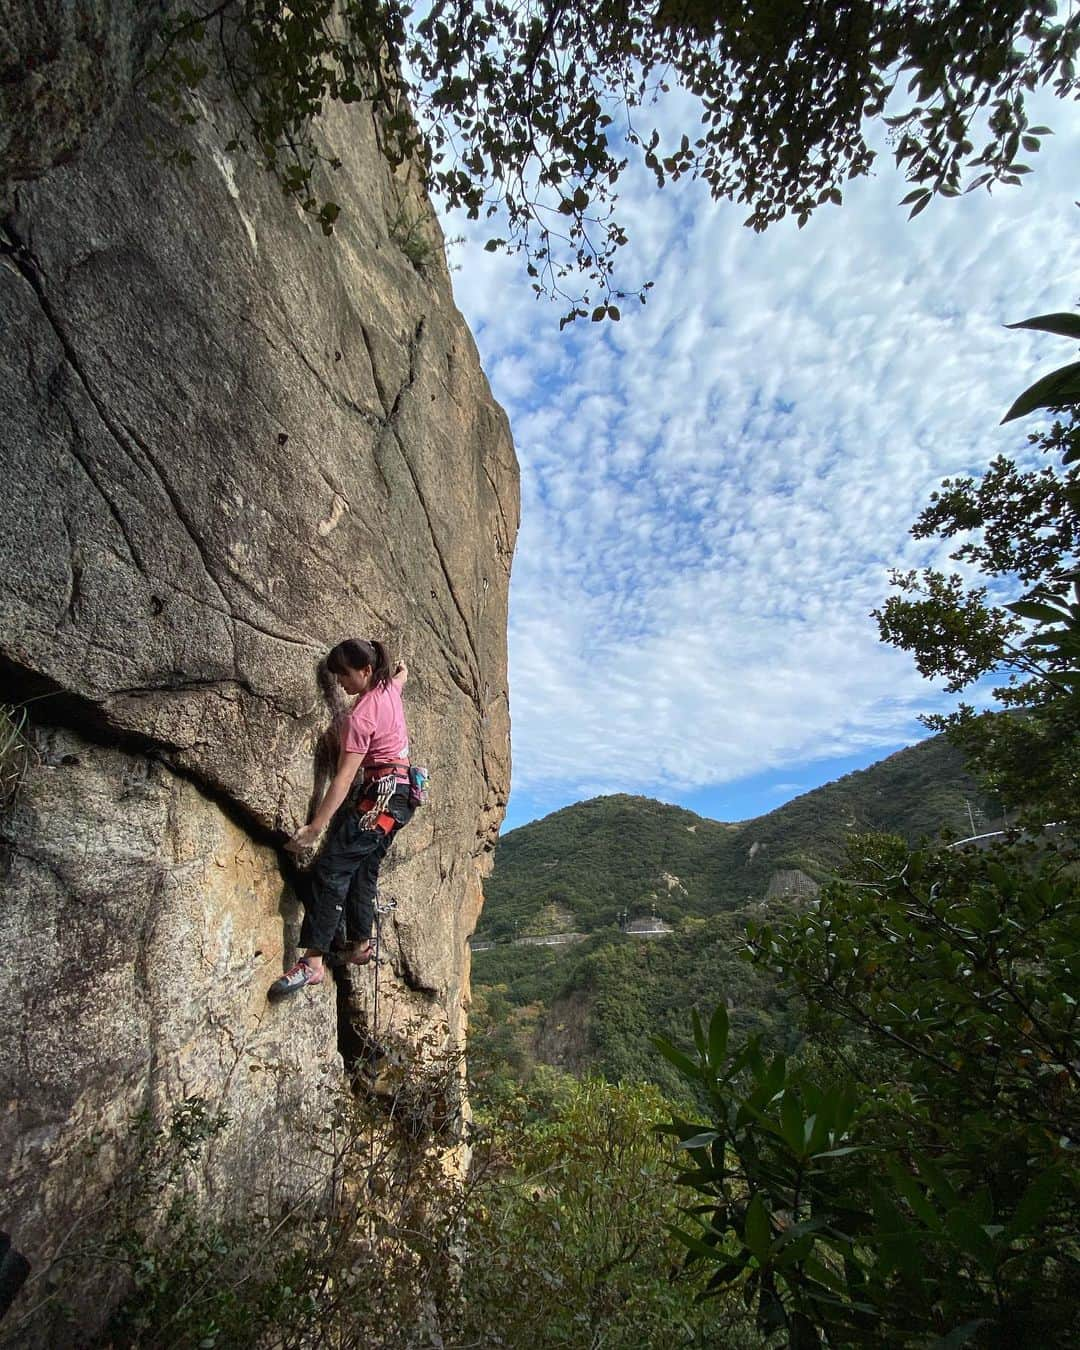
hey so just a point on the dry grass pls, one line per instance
(15, 750)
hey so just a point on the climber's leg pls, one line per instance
(360, 904)
(360, 907)
(330, 878)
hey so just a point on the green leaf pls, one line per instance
(970, 1236)
(1036, 1200)
(699, 1032)
(913, 1193)
(682, 1062)
(958, 1336)
(791, 1123)
(719, 1027)
(770, 1315)
(805, 1335)
(1059, 389)
(702, 1140)
(756, 1232)
(891, 1222)
(1049, 637)
(771, 1081)
(1064, 325)
(696, 1245)
(1037, 610)
(726, 1274)
(830, 1278)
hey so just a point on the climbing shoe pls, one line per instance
(297, 977)
(354, 954)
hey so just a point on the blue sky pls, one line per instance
(714, 489)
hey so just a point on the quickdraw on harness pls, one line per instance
(381, 785)
(381, 782)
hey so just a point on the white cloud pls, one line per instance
(715, 488)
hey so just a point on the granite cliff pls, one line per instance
(227, 443)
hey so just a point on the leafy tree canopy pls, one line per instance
(531, 112)
(1018, 529)
(916, 1178)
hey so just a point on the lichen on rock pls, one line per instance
(75, 67)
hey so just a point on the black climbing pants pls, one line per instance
(342, 882)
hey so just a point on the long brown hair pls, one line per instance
(355, 654)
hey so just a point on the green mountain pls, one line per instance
(594, 1004)
(587, 862)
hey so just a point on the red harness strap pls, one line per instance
(373, 772)
(384, 822)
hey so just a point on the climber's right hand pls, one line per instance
(304, 837)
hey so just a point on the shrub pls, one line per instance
(925, 1184)
(572, 1247)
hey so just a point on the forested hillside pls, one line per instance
(598, 857)
(595, 1004)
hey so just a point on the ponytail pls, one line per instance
(355, 654)
(380, 667)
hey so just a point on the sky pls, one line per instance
(715, 488)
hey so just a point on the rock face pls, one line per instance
(791, 884)
(67, 70)
(227, 443)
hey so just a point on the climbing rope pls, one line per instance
(381, 908)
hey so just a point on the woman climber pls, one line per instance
(375, 741)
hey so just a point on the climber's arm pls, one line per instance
(401, 674)
(349, 762)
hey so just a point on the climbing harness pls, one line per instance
(380, 782)
(379, 793)
(381, 786)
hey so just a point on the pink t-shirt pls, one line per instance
(376, 726)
